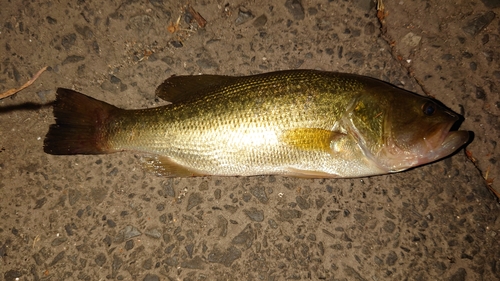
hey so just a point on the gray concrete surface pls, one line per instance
(103, 217)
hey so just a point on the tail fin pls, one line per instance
(80, 125)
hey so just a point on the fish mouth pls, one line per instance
(443, 142)
(440, 140)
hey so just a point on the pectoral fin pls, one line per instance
(311, 138)
(164, 166)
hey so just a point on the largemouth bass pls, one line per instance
(302, 123)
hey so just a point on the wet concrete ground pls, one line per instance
(103, 217)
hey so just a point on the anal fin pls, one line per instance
(298, 173)
(164, 166)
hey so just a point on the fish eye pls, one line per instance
(429, 108)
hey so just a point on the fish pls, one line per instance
(295, 123)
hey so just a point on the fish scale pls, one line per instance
(303, 123)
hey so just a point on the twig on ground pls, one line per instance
(26, 85)
(197, 17)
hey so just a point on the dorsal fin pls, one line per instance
(182, 88)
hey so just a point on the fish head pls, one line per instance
(418, 130)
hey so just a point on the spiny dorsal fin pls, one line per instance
(182, 88)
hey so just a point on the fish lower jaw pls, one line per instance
(395, 159)
(430, 151)
(451, 142)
